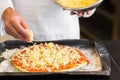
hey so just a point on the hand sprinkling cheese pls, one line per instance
(30, 35)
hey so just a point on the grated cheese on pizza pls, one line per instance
(48, 57)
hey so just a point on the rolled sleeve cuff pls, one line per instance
(4, 4)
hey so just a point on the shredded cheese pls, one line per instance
(76, 3)
(46, 56)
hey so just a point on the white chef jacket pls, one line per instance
(47, 20)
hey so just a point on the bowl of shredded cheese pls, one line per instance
(78, 4)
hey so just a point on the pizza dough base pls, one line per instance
(95, 62)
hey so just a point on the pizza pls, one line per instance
(49, 57)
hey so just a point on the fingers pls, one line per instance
(15, 25)
(20, 29)
(30, 35)
(88, 12)
(79, 13)
(11, 31)
(24, 24)
(72, 13)
(7, 31)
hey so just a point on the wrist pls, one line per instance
(7, 12)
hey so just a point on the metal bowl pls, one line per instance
(95, 5)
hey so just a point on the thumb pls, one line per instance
(30, 33)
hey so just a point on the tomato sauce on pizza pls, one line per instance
(49, 57)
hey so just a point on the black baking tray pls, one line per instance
(82, 43)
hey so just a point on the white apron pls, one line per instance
(47, 20)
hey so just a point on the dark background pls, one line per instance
(104, 23)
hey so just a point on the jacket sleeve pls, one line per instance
(4, 4)
(92, 12)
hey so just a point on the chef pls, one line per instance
(47, 20)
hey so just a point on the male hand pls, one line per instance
(15, 25)
(80, 13)
(86, 13)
